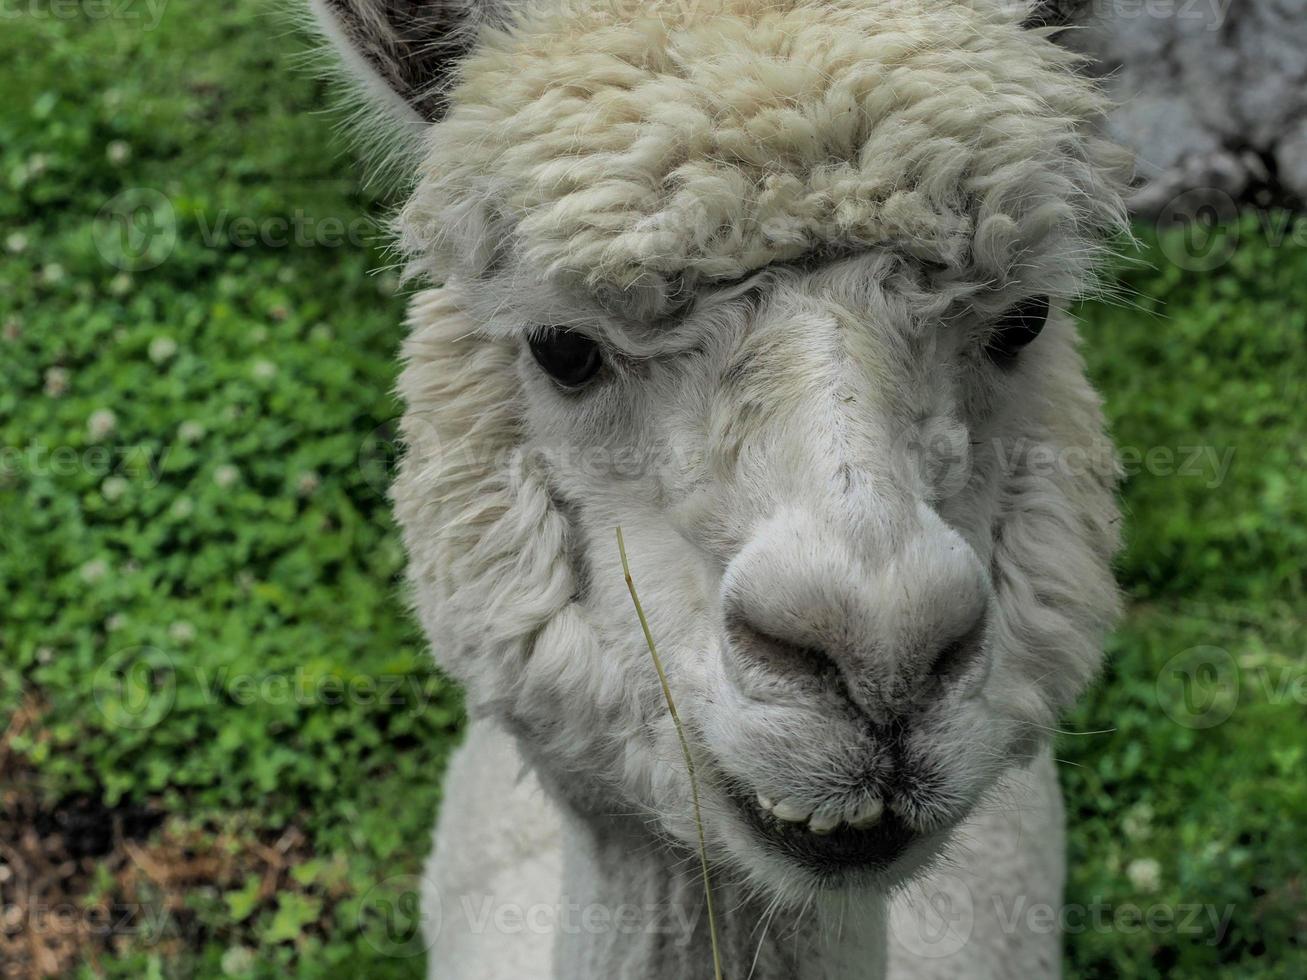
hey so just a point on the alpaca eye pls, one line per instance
(569, 358)
(1015, 329)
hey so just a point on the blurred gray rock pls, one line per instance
(1211, 94)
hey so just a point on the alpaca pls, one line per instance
(779, 288)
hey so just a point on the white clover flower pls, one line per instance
(113, 488)
(37, 164)
(181, 632)
(308, 483)
(226, 475)
(161, 349)
(52, 273)
(101, 423)
(182, 508)
(190, 431)
(44, 655)
(121, 284)
(264, 370)
(56, 381)
(16, 242)
(114, 623)
(94, 570)
(118, 152)
(259, 334)
(1145, 874)
(238, 961)
(1138, 821)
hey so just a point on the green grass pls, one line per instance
(188, 586)
(1209, 786)
(231, 530)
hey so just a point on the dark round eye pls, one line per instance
(569, 358)
(1015, 329)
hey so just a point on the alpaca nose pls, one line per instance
(803, 614)
(795, 655)
(884, 684)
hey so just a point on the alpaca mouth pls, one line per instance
(872, 841)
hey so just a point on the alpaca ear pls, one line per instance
(402, 52)
(1056, 13)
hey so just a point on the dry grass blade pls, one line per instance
(685, 750)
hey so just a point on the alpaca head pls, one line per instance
(777, 286)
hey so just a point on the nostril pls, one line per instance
(956, 656)
(948, 660)
(776, 655)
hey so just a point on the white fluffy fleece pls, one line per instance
(886, 176)
(706, 140)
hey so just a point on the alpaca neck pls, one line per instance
(641, 915)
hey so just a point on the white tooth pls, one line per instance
(867, 815)
(825, 820)
(765, 803)
(791, 812)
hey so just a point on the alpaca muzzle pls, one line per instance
(896, 635)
